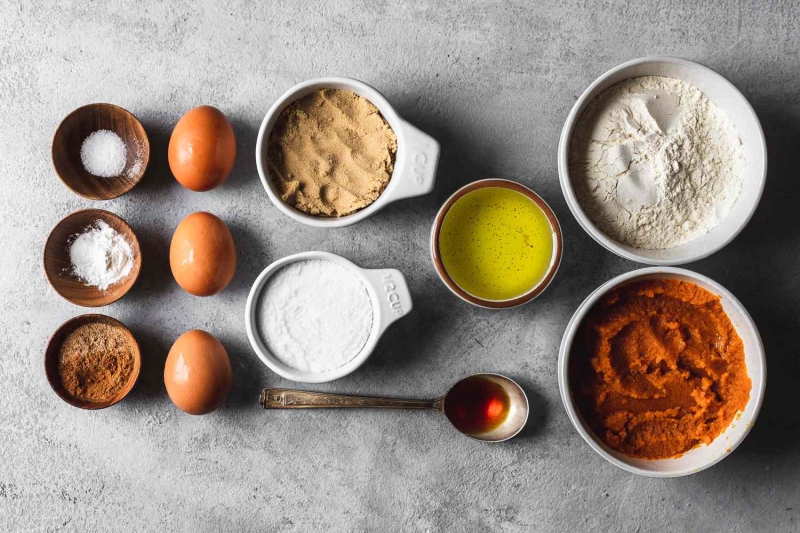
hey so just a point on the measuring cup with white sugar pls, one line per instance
(315, 317)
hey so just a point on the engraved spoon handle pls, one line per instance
(298, 399)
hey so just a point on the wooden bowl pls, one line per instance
(81, 123)
(58, 268)
(51, 360)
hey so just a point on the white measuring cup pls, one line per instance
(415, 162)
(388, 292)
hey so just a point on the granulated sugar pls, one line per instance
(314, 315)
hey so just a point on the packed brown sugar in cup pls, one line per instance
(659, 369)
(331, 153)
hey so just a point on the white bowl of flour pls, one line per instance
(662, 161)
(315, 317)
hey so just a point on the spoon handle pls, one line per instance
(298, 399)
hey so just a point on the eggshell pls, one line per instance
(202, 255)
(197, 373)
(202, 149)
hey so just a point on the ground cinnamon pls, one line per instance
(95, 362)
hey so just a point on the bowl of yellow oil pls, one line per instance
(496, 244)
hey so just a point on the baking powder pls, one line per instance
(314, 315)
(101, 256)
(655, 163)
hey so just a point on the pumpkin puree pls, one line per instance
(660, 370)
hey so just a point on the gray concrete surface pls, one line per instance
(493, 82)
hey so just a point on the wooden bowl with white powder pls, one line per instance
(92, 258)
(662, 161)
(100, 151)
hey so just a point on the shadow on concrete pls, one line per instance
(249, 374)
(158, 176)
(151, 377)
(461, 161)
(252, 256)
(155, 277)
(407, 340)
(537, 415)
(244, 172)
(758, 269)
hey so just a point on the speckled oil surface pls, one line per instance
(496, 243)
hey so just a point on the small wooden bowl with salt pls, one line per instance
(61, 272)
(118, 151)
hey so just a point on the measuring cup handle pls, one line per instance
(417, 169)
(299, 399)
(394, 297)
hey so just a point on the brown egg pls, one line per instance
(197, 373)
(202, 255)
(202, 149)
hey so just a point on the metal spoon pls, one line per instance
(509, 426)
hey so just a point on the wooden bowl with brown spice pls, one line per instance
(92, 361)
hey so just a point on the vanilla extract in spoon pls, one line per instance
(486, 407)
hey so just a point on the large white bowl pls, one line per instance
(725, 95)
(415, 162)
(698, 458)
(388, 291)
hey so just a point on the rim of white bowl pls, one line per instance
(577, 210)
(616, 458)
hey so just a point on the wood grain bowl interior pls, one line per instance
(81, 123)
(51, 359)
(57, 265)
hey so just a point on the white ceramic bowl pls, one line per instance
(698, 458)
(725, 95)
(415, 162)
(388, 291)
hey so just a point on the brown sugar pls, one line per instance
(95, 362)
(331, 153)
(660, 370)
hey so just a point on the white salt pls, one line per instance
(103, 154)
(315, 315)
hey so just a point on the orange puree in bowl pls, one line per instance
(658, 369)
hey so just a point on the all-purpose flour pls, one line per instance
(314, 315)
(655, 163)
